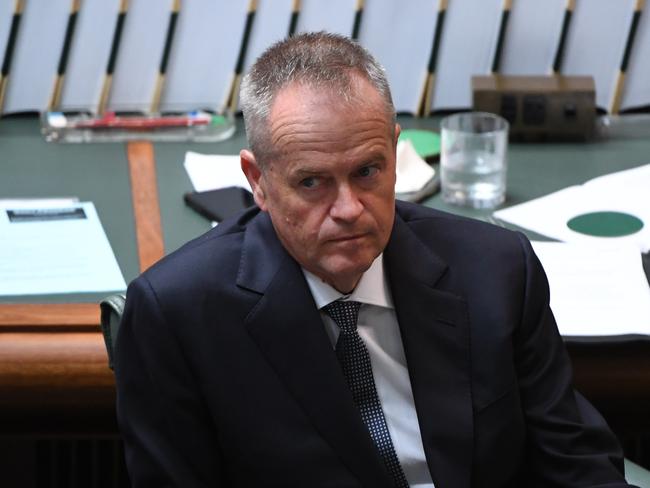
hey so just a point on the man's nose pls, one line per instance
(346, 206)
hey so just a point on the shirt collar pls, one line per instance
(372, 288)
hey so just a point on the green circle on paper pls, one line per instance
(425, 142)
(605, 224)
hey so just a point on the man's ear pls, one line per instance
(398, 130)
(254, 175)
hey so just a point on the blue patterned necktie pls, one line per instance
(355, 362)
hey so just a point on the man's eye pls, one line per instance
(367, 171)
(310, 182)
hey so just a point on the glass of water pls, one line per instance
(473, 159)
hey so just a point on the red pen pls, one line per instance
(112, 121)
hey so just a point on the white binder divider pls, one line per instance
(204, 53)
(596, 43)
(335, 16)
(36, 55)
(405, 53)
(466, 49)
(532, 36)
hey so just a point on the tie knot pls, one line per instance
(343, 313)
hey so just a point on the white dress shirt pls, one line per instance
(377, 325)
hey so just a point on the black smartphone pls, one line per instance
(220, 204)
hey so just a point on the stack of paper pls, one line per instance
(625, 192)
(50, 247)
(596, 290)
(597, 283)
(213, 171)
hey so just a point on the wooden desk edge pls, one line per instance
(86, 316)
(39, 316)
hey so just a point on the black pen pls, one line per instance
(295, 12)
(505, 15)
(108, 78)
(162, 70)
(55, 99)
(9, 49)
(426, 98)
(357, 20)
(566, 21)
(615, 105)
(231, 100)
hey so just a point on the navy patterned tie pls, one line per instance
(355, 362)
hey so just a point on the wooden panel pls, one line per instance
(49, 315)
(144, 191)
(76, 359)
(64, 368)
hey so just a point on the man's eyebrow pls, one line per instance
(306, 172)
(373, 158)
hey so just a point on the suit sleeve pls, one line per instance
(169, 438)
(569, 443)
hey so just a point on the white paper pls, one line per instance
(413, 172)
(405, 52)
(214, 171)
(596, 290)
(624, 191)
(56, 256)
(532, 36)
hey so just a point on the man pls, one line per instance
(332, 338)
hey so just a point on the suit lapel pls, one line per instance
(435, 334)
(289, 331)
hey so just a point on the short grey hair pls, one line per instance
(318, 60)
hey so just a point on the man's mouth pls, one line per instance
(347, 238)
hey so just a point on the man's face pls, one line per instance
(331, 191)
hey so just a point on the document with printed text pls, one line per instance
(50, 249)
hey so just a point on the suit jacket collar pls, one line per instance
(288, 329)
(435, 334)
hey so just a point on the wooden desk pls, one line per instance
(53, 366)
(53, 373)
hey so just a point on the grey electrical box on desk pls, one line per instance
(539, 108)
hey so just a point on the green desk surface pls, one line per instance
(31, 167)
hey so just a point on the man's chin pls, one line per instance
(345, 270)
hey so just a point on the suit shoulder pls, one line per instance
(450, 233)
(414, 214)
(217, 249)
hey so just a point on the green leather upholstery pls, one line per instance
(636, 475)
(111, 315)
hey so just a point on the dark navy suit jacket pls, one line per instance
(226, 376)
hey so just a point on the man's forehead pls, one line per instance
(355, 91)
